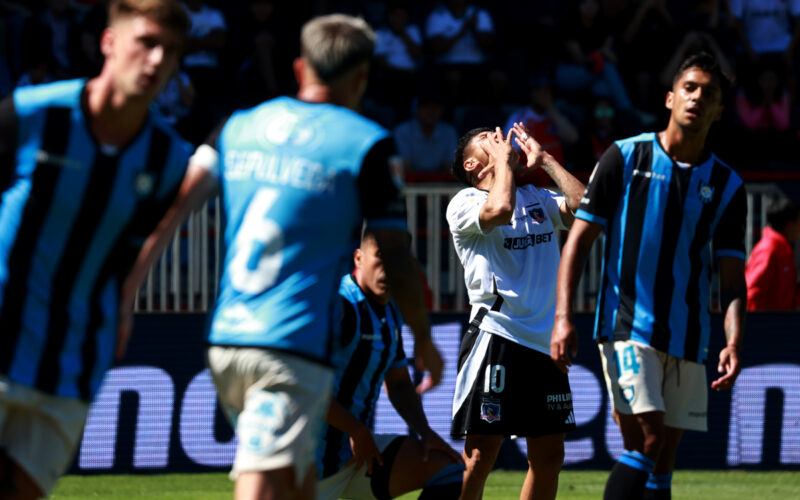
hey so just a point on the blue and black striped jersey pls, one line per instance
(662, 221)
(369, 346)
(73, 216)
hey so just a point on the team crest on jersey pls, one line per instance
(627, 393)
(143, 184)
(705, 192)
(490, 412)
(536, 213)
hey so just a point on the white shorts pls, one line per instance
(351, 483)
(40, 432)
(642, 379)
(276, 402)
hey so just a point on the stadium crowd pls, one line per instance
(579, 74)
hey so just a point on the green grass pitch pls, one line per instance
(502, 485)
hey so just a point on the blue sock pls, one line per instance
(659, 487)
(628, 476)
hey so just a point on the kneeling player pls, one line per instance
(351, 461)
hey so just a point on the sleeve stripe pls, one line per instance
(583, 214)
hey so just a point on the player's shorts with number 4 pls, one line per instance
(641, 379)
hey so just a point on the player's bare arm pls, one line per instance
(539, 158)
(198, 186)
(406, 401)
(502, 160)
(733, 292)
(404, 277)
(365, 451)
(564, 339)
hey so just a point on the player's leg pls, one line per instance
(659, 483)
(15, 483)
(480, 454)
(276, 402)
(440, 476)
(634, 374)
(545, 457)
(686, 400)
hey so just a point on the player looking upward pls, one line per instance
(505, 236)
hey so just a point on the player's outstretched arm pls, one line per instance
(365, 451)
(404, 276)
(564, 339)
(733, 292)
(407, 402)
(198, 185)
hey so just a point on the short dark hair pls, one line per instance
(707, 63)
(168, 13)
(780, 212)
(457, 168)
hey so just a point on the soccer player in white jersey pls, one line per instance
(506, 238)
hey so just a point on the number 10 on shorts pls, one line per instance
(494, 379)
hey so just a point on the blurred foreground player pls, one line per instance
(87, 173)
(506, 239)
(296, 178)
(663, 200)
(352, 462)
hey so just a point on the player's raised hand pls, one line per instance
(563, 344)
(532, 149)
(729, 366)
(428, 358)
(365, 451)
(500, 151)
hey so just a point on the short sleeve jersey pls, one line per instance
(73, 216)
(661, 223)
(297, 179)
(466, 50)
(369, 346)
(511, 269)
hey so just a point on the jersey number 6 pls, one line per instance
(258, 248)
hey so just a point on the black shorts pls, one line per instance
(525, 394)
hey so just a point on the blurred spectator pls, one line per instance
(175, 100)
(55, 27)
(252, 53)
(461, 36)
(398, 50)
(648, 33)
(206, 36)
(768, 27)
(602, 132)
(425, 142)
(590, 58)
(205, 41)
(764, 105)
(770, 272)
(89, 58)
(546, 123)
